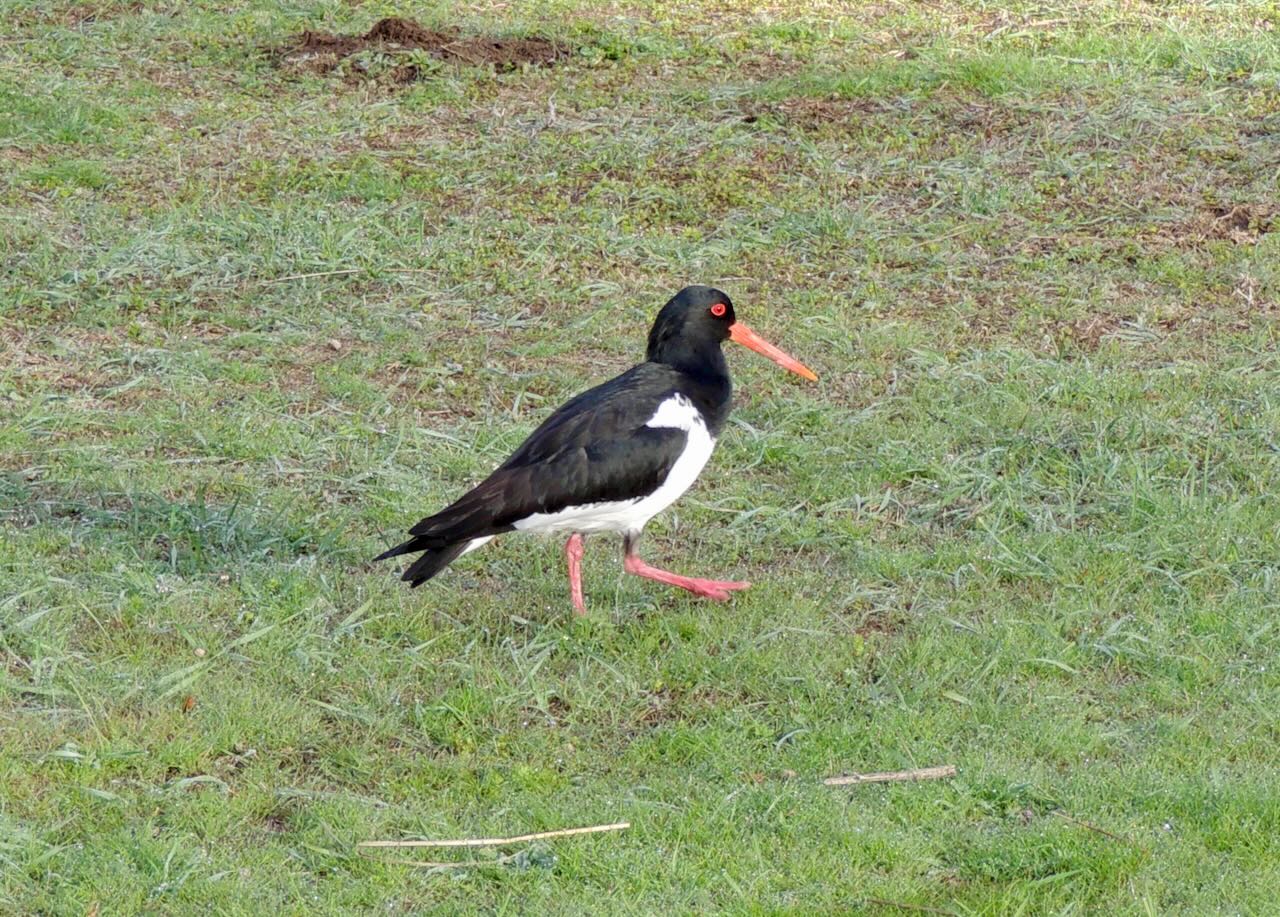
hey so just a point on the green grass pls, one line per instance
(1026, 524)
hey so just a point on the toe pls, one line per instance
(727, 585)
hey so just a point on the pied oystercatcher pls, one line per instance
(612, 458)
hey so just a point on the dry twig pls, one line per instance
(346, 271)
(499, 841)
(903, 906)
(919, 773)
(350, 270)
(1084, 824)
(454, 864)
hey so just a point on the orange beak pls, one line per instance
(748, 338)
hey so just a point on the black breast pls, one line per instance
(711, 396)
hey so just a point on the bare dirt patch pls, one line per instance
(62, 363)
(812, 114)
(1242, 224)
(322, 52)
(1089, 332)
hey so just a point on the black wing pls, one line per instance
(593, 449)
(610, 411)
(595, 473)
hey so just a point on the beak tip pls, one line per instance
(749, 339)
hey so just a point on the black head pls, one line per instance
(690, 328)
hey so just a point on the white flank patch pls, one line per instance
(475, 543)
(676, 412)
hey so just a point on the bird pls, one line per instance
(612, 458)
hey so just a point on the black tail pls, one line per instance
(445, 536)
(429, 564)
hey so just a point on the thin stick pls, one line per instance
(350, 270)
(1084, 824)
(902, 905)
(401, 861)
(919, 773)
(499, 841)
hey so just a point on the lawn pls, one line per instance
(260, 311)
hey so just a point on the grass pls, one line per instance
(1025, 525)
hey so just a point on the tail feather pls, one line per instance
(432, 562)
(437, 556)
(412, 546)
(467, 522)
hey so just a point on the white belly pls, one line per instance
(632, 515)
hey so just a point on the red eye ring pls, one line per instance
(719, 309)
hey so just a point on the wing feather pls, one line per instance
(600, 472)
(594, 448)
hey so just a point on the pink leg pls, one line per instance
(707, 588)
(573, 554)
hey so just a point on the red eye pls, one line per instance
(718, 310)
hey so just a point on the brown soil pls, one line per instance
(813, 114)
(322, 52)
(1088, 333)
(1243, 223)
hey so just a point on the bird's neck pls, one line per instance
(703, 361)
(705, 381)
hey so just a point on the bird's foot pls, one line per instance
(716, 589)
